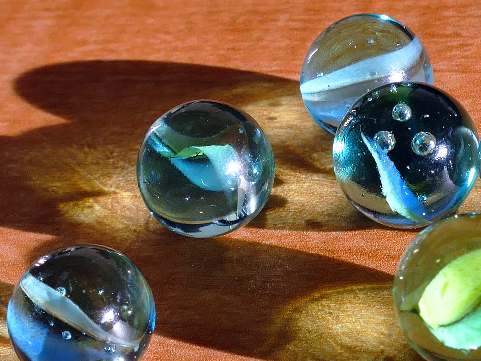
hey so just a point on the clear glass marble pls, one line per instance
(406, 154)
(355, 55)
(81, 303)
(205, 168)
(437, 290)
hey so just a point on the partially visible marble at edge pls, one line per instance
(437, 290)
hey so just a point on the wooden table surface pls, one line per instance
(81, 82)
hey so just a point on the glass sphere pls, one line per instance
(205, 169)
(81, 303)
(437, 290)
(355, 55)
(406, 155)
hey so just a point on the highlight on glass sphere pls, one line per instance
(81, 303)
(205, 169)
(437, 290)
(355, 55)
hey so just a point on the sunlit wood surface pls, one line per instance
(81, 82)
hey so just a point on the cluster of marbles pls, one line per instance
(406, 154)
(205, 169)
(355, 55)
(437, 290)
(81, 303)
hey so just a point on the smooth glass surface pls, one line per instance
(355, 55)
(205, 169)
(437, 290)
(81, 303)
(406, 155)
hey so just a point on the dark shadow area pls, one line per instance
(263, 301)
(109, 105)
(6, 290)
(76, 180)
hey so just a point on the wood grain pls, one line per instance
(81, 82)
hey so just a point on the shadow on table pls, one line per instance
(76, 180)
(265, 301)
(6, 351)
(109, 105)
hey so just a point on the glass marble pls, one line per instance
(205, 169)
(81, 303)
(437, 290)
(355, 55)
(405, 154)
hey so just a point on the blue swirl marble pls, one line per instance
(406, 154)
(355, 55)
(82, 303)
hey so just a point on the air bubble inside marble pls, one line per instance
(406, 154)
